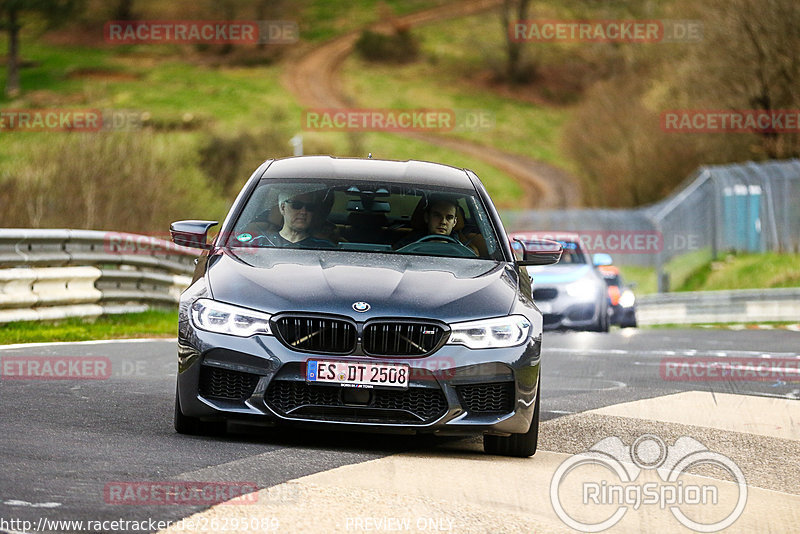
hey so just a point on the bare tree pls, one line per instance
(11, 12)
(749, 59)
(513, 11)
(123, 10)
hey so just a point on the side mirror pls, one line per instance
(538, 251)
(601, 258)
(191, 233)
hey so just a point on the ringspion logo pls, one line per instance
(593, 490)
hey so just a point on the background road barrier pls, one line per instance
(54, 274)
(701, 307)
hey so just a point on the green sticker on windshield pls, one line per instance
(244, 237)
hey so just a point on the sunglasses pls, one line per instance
(299, 204)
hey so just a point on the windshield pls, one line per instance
(365, 217)
(571, 254)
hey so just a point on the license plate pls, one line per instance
(358, 374)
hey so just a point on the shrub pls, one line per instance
(396, 47)
(229, 159)
(624, 157)
(136, 182)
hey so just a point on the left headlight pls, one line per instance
(491, 333)
(223, 318)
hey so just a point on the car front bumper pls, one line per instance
(567, 313)
(456, 390)
(623, 316)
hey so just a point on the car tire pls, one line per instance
(603, 322)
(193, 426)
(519, 445)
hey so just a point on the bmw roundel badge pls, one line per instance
(361, 306)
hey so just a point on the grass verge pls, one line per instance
(152, 323)
(746, 271)
(696, 271)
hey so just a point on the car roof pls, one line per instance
(387, 171)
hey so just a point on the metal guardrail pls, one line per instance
(707, 307)
(747, 207)
(53, 274)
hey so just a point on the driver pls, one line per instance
(440, 218)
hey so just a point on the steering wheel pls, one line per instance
(446, 239)
(436, 237)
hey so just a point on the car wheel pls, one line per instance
(603, 322)
(520, 445)
(192, 425)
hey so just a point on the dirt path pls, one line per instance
(313, 78)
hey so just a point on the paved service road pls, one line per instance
(65, 442)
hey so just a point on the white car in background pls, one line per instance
(572, 294)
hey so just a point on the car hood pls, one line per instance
(558, 274)
(277, 280)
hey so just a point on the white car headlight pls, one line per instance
(627, 299)
(581, 288)
(223, 318)
(490, 333)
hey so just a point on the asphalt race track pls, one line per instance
(66, 444)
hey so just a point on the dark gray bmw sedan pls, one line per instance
(382, 295)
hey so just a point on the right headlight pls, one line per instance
(224, 318)
(627, 299)
(491, 333)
